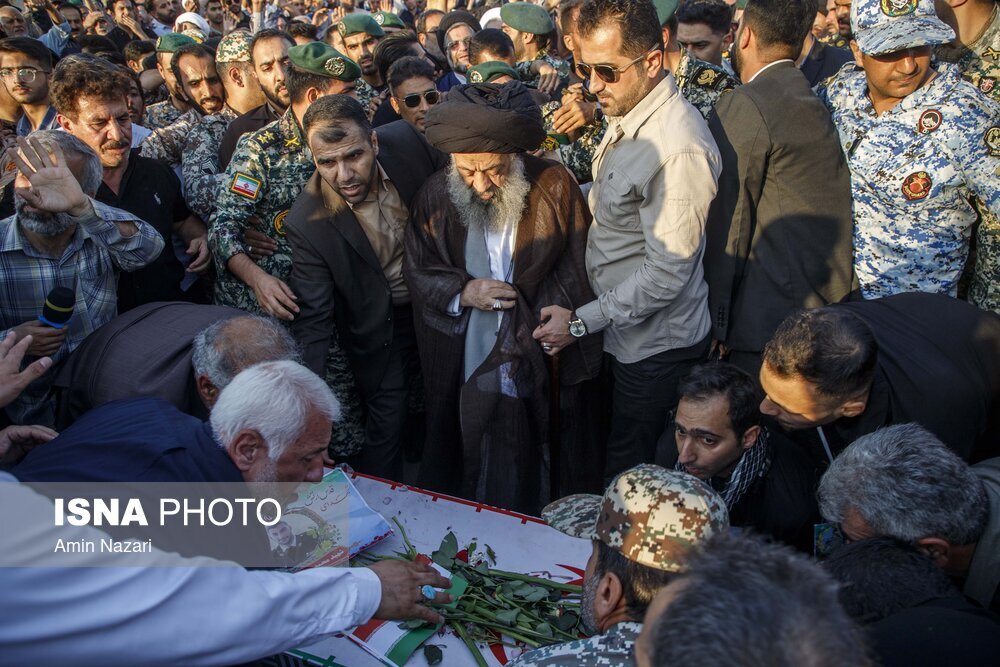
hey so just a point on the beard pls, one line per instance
(39, 222)
(500, 211)
(587, 600)
(273, 96)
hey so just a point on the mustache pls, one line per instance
(112, 145)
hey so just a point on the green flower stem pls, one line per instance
(505, 629)
(411, 551)
(473, 649)
(534, 617)
(547, 583)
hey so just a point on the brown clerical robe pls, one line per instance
(488, 438)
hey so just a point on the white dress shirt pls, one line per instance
(180, 611)
(500, 246)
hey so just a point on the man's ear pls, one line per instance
(207, 392)
(610, 596)
(246, 449)
(937, 549)
(853, 407)
(750, 437)
(313, 94)
(237, 77)
(395, 105)
(857, 54)
(64, 122)
(745, 37)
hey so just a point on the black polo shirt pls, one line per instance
(151, 191)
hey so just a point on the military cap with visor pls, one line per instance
(651, 515)
(887, 26)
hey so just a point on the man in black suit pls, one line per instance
(346, 232)
(779, 230)
(818, 61)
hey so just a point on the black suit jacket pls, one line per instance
(778, 235)
(823, 62)
(335, 273)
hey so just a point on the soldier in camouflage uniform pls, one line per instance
(653, 517)
(166, 113)
(979, 64)
(524, 17)
(702, 83)
(361, 34)
(200, 150)
(915, 165)
(268, 171)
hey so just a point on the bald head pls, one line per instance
(12, 22)
(225, 348)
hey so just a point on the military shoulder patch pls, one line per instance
(992, 141)
(245, 186)
(930, 120)
(917, 186)
(987, 83)
(706, 77)
(279, 222)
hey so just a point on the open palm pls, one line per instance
(53, 187)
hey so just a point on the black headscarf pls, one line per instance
(486, 118)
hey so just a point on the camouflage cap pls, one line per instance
(652, 515)
(665, 10)
(234, 48)
(323, 59)
(886, 26)
(169, 42)
(388, 20)
(489, 70)
(527, 17)
(352, 24)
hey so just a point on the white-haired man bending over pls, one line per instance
(272, 423)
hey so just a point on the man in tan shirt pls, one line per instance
(346, 232)
(655, 175)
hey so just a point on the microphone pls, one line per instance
(58, 308)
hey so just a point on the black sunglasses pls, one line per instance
(413, 99)
(605, 73)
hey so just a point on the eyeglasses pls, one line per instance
(26, 74)
(462, 42)
(605, 73)
(413, 99)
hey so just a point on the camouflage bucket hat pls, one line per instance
(886, 26)
(652, 515)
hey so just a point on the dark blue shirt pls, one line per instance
(138, 439)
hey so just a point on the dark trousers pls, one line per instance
(387, 407)
(644, 394)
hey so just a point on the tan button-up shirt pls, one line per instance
(383, 216)
(655, 175)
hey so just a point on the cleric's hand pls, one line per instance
(553, 332)
(487, 294)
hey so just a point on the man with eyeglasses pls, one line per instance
(25, 67)
(411, 86)
(346, 235)
(655, 175)
(454, 34)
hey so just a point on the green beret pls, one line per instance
(489, 70)
(323, 59)
(665, 10)
(388, 20)
(527, 17)
(169, 42)
(741, 4)
(352, 24)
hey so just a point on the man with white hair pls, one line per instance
(272, 423)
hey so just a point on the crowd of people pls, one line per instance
(736, 267)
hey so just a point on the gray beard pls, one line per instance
(503, 210)
(46, 224)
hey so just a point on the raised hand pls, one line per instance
(53, 187)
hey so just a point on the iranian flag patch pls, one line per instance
(245, 186)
